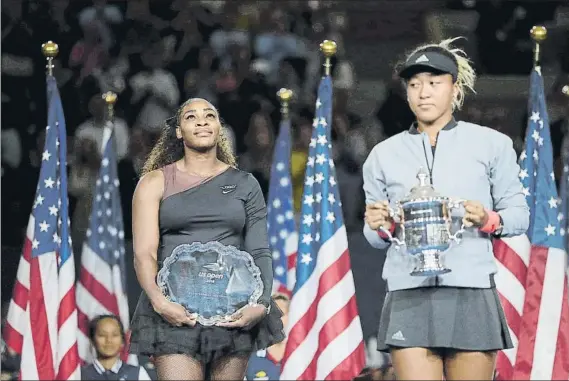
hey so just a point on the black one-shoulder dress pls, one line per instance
(228, 208)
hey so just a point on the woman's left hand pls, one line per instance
(246, 317)
(475, 215)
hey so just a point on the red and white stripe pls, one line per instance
(99, 292)
(291, 247)
(42, 318)
(325, 340)
(532, 282)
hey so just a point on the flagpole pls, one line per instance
(285, 96)
(50, 51)
(110, 99)
(329, 49)
(538, 35)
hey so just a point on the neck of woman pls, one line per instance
(200, 163)
(432, 129)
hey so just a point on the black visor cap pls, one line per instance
(431, 62)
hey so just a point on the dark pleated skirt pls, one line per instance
(154, 336)
(444, 318)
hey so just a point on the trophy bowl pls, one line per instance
(211, 280)
(424, 224)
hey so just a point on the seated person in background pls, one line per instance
(265, 364)
(107, 335)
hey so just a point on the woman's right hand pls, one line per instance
(174, 313)
(378, 215)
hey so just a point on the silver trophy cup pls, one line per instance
(423, 218)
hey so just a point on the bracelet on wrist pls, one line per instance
(266, 306)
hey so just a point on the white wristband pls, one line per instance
(267, 308)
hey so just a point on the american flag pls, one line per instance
(532, 278)
(325, 340)
(102, 284)
(283, 237)
(42, 318)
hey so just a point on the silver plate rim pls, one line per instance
(218, 247)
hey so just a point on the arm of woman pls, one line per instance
(256, 237)
(145, 233)
(146, 238)
(256, 243)
(507, 192)
(375, 192)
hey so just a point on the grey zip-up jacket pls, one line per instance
(469, 162)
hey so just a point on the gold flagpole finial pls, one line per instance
(538, 35)
(110, 99)
(285, 96)
(329, 49)
(50, 51)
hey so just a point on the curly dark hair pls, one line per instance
(169, 148)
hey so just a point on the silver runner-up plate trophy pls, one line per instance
(211, 280)
(424, 219)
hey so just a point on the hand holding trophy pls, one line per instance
(378, 215)
(424, 223)
(175, 313)
(475, 215)
(246, 317)
(214, 283)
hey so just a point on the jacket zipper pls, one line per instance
(431, 168)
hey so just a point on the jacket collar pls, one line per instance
(101, 369)
(449, 126)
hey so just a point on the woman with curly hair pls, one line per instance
(191, 191)
(451, 324)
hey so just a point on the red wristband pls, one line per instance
(493, 222)
(382, 234)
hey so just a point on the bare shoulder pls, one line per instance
(150, 186)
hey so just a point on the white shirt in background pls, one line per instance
(165, 97)
(88, 130)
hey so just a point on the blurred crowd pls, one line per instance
(154, 55)
(237, 54)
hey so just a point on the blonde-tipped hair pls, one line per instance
(466, 75)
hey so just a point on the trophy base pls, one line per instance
(430, 263)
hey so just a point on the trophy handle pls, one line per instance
(457, 236)
(393, 214)
(453, 204)
(391, 238)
